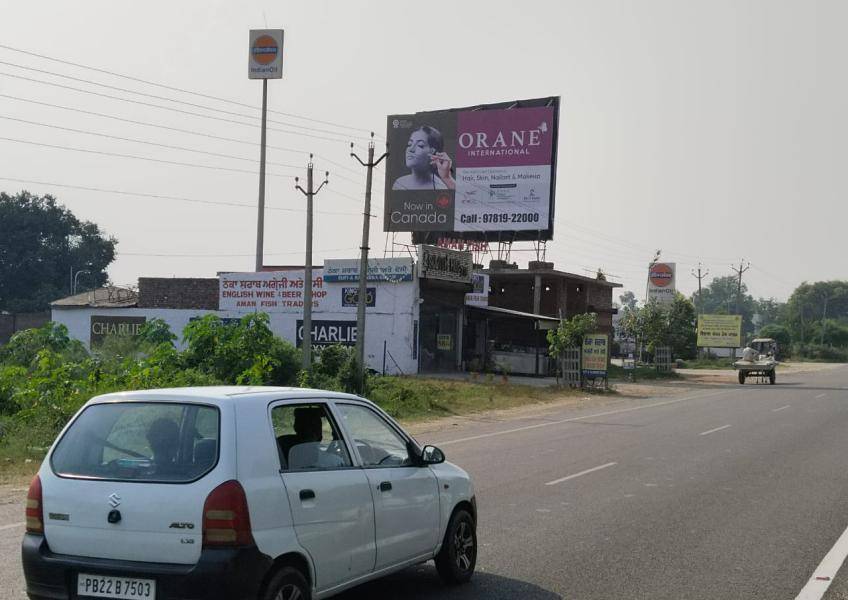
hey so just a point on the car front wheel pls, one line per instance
(288, 584)
(456, 560)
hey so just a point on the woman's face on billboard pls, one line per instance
(418, 151)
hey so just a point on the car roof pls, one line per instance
(219, 395)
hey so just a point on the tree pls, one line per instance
(40, 241)
(720, 298)
(570, 332)
(812, 305)
(628, 300)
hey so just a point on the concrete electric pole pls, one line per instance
(362, 300)
(310, 193)
(699, 309)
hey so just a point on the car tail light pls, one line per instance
(34, 507)
(226, 519)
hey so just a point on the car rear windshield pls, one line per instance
(135, 441)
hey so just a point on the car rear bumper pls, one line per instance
(221, 573)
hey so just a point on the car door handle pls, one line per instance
(386, 486)
(307, 495)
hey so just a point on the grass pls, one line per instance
(417, 398)
(639, 373)
(708, 363)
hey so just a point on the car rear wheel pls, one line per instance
(456, 560)
(288, 584)
(742, 377)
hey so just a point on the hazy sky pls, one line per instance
(714, 130)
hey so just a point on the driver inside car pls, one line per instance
(307, 453)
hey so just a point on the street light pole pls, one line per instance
(74, 284)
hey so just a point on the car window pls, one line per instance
(308, 439)
(138, 441)
(377, 442)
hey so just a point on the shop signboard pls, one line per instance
(121, 326)
(329, 332)
(661, 282)
(595, 355)
(485, 172)
(265, 54)
(273, 292)
(479, 295)
(444, 264)
(379, 269)
(350, 297)
(719, 331)
(444, 341)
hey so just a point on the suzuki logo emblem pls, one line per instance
(114, 500)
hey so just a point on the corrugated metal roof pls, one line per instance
(514, 313)
(105, 297)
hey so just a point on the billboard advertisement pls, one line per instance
(720, 331)
(595, 354)
(662, 286)
(484, 173)
(444, 264)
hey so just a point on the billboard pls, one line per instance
(444, 264)
(482, 173)
(720, 331)
(662, 286)
(595, 355)
(379, 269)
(102, 326)
(265, 54)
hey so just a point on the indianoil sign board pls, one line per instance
(480, 173)
(661, 282)
(265, 60)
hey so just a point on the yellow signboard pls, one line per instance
(595, 354)
(720, 331)
(444, 341)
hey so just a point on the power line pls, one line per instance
(165, 197)
(166, 99)
(169, 254)
(168, 108)
(136, 157)
(138, 141)
(176, 89)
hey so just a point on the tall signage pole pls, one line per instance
(363, 259)
(265, 62)
(309, 192)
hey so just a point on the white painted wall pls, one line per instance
(391, 320)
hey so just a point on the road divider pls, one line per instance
(714, 430)
(581, 473)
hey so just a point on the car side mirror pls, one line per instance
(431, 455)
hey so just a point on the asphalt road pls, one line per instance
(719, 492)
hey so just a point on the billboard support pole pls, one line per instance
(310, 193)
(260, 218)
(363, 262)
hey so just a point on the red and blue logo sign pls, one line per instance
(265, 50)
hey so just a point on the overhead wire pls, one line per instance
(174, 88)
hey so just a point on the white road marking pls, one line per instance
(573, 419)
(826, 571)
(820, 396)
(12, 526)
(592, 470)
(781, 408)
(714, 430)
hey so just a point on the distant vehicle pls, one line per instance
(759, 359)
(240, 492)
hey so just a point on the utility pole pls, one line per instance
(363, 258)
(700, 306)
(260, 218)
(310, 193)
(742, 268)
(824, 321)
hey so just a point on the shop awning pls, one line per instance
(545, 322)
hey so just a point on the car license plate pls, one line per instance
(121, 588)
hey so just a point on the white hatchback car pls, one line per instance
(237, 492)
